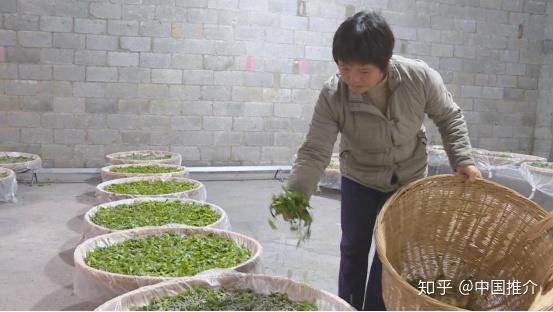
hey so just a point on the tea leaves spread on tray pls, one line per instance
(145, 169)
(168, 254)
(151, 187)
(205, 299)
(155, 213)
(13, 160)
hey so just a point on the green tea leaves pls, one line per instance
(14, 160)
(294, 209)
(146, 169)
(151, 187)
(155, 213)
(205, 299)
(168, 255)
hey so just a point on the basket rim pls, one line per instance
(378, 234)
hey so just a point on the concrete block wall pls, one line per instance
(543, 135)
(233, 82)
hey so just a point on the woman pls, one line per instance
(377, 102)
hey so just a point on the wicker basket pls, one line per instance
(442, 226)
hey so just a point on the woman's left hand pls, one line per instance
(469, 172)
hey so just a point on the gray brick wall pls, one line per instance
(543, 130)
(234, 81)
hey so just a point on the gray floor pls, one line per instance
(39, 233)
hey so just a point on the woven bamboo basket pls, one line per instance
(443, 228)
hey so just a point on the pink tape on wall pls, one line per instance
(249, 63)
(303, 67)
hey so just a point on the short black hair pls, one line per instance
(364, 38)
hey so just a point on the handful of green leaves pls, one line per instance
(151, 187)
(145, 169)
(545, 165)
(333, 165)
(168, 254)
(14, 160)
(155, 213)
(205, 299)
(294, 209)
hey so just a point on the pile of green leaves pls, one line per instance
(294, 209)
(204, 299)
(545, 165)
(14, 160)
(145, 169)
(168, 255)
(155, 213)
(151, 187)
(144, 156)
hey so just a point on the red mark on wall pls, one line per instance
(249, 63)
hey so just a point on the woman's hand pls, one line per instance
(469, 172)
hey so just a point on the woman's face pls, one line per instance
(360, 77)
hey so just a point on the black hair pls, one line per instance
(364, 38)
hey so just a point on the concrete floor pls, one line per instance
(39, 233)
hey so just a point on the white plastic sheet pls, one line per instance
(331, 177)
(258, 283)
(99, 286)
(489, 161)
(126, 158)
(34, 163)
(8, 185)
(107, 173)
(199, 193)
(539, 178)
(91, 229)
(438, 162)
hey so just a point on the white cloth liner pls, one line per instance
(99, 286)
(103, 196)
(539, 178)
(35, 163)
(108, 175)
(113, 159)
(8, 186)
(263, 284)
(91, 229)
(488, 161)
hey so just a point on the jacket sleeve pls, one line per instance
(314, 154)
(449, 119)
